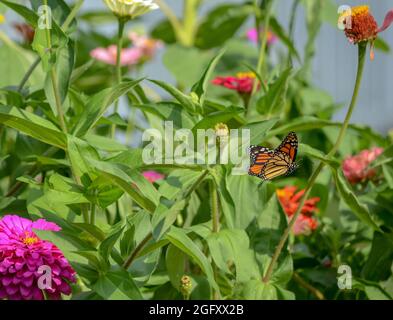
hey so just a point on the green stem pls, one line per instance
(64, 27)
(262, 50)
(362, 47)
(72, 14)
(93, 214)
(190, 21)
(215, 207)
(28, 74)
(122, 23)
(55, 85)
(137, 250)
(291, 27)
(318, 294)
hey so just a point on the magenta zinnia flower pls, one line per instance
(153, 176)
(22, 253)
(357, 168)
(129, 56)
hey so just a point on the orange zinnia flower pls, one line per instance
(360, 25)
(289, 200)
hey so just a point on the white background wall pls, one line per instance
(335, 61)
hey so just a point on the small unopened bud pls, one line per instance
(185, 286)
(221, 130)
(194, 97)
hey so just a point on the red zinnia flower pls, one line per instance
(243, 83)
(289, 200)
(356, 169)
(22, 254)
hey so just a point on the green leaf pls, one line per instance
(316, 154)
(200, 87)
(183, 99)
(221, 24)
(274, 100)
(175, 261)
(107, 245)
(359, 209)
(229, 246)
(170, 111)
(258, 132)
(177, 59)
(80, 154)
(225, 116)
(138, 188)
(18, 61)
(258, 290)
(280, 32)
(379, 262)
(98, 104)
(164, 216)
(33, 126)
(179, 238)
(29, 15)
(64, 64)
(117, 285)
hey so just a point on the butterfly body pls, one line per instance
(269, 164)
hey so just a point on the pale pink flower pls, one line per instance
(22, 253)
(357, 168)
(146, 45)
(129, 56)
(153, 176)
(252, 35)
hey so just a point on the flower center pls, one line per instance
(359, 10)
(29, 239)
(245, 75)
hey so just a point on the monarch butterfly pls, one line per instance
(269, 164)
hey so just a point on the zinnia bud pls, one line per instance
(221, 130)
(185, 286)
(131, 9)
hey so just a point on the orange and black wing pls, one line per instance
(259, 156)
(289, 146)
(278, 165)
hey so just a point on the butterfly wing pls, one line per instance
(259, 156)
(278, 165)
(289, 146)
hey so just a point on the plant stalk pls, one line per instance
(362, 47)
(122, 23)
(262, 50)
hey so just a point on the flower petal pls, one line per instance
(387, 22)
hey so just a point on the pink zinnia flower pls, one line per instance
(146, 45)
(356, 168)
(129, 56)
(153, 176)
(252, 35)
(289, 200)
(242, 83)
(22, 253)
